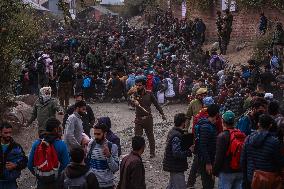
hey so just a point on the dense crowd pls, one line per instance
(236, 132)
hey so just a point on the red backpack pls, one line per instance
(149, 83)
(46, 163)
(237, 139)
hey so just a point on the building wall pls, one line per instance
(245, 25)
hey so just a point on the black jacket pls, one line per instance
(74, 170)
(261, 151)
(175, 161)
(206, 142)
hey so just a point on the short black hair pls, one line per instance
(213, 110)
(265, 121)
(101, 126)
(5, 125)
(77, 155)
(80, 104)
(258, 102)
(138, 142)
(179, 119)
(140, 80)
(51, 124)
(273, 107)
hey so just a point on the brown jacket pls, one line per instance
(132, 172)
(146, 100)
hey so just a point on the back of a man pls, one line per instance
(132, 171)
(51, 150)
(261, 152)
(77, 175)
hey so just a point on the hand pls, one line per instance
(164, 117)
(191, 148)
(106, 151)
(209, 169)
(10, 166)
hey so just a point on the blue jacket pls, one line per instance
(246, 124)
(15, 154)
(62, 153)
(261, 151)
(130, 82)
(206, 134)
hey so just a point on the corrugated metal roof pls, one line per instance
(35, 5)
(103, 10)
(112, 2)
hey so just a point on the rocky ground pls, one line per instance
(122, 124)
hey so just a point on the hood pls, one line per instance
(74, 170)
(257, 138)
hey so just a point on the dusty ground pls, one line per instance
(122, 124)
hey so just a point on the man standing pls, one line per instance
(219, 24)
(195, 105)
(144, 119)
(102, 157)
(12, 158)
(205, 145)
(45, 107)
(49, 156)
(132, 171)
(73, 133)
(175, 157)
(88, 118)
(226, 30)
(66, 78)
(230, 177)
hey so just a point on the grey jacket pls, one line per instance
(73, 131)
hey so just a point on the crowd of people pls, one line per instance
(235, 116)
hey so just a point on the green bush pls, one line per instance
(261, 47)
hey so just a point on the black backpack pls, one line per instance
(76, 183)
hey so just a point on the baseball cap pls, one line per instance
(228, 116)
(207, 101)
(201, 91)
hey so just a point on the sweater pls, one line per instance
(103, 167)
(73, 131)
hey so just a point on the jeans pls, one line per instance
(177, 181)
(8, 185)
(230, 181)
(41, 185)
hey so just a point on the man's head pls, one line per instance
(228, 119)
(201, 93)
(6, 132)
(259, 106)
(77, 155)
(66, 60)
(213, 112)
(138, 144)
(140, 84)
(79, 97)
(207, 101)
(265, 121)
(45, 93)
(180, 120)
(273, 108)
(52, 126)
(81, 107)
(100, 131)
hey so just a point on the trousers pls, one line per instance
(8, 185)
(147, 125)
(230, 181)
(177, 181)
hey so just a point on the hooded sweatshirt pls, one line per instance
(261, 151)
(75, 170)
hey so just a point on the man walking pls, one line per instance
(229, 144)
(175, 157)
(144, 119)
(73, 133)
(102, 157)
(88, 118)
(44, 108)
(12, 158)
(132, 171)
(49, 156)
